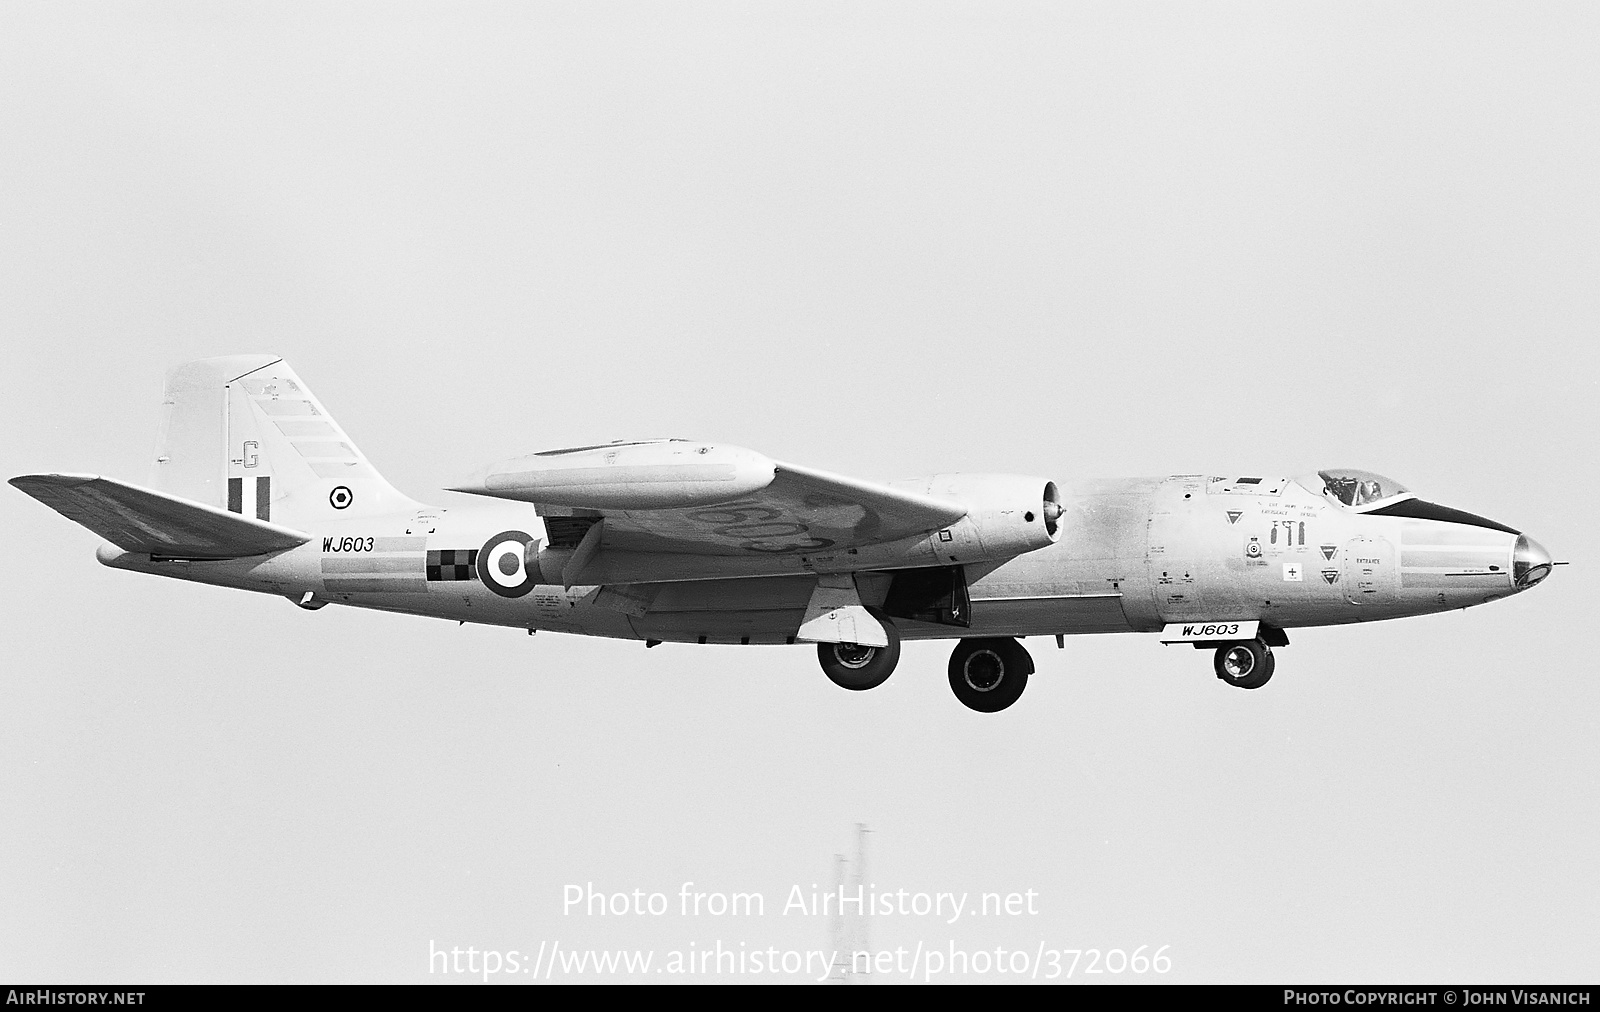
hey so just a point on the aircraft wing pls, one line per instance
(143, 520)
(666, 510)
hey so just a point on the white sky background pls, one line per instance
(1086, 240)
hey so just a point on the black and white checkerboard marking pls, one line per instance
(453, 564)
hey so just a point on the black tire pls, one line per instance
(989, 675)
(1247, 664)
(858, 668)
(1263, 676)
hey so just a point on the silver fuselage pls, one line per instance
(1134, 555)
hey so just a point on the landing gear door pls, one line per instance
(931, 595)
(1369, 571)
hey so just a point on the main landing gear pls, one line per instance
(1246, 664)
(855, 667)
(989, 675)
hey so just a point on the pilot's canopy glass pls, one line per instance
(1357, 489)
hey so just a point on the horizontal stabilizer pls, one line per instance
(139, 519)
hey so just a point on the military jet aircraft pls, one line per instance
(256, 487)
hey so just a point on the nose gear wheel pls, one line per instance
(1247, 664)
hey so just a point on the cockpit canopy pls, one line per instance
(1356, 489)
(1375, 495)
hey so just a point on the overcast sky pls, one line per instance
(886, 240)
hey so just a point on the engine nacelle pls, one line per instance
(1007, 515)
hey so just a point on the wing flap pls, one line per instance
(143, 520)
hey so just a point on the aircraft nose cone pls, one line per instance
(1530, 563)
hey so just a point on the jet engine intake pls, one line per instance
(1007, 515)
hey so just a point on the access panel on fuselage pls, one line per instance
(1369, 575)
(1174, 549)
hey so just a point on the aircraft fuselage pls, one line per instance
(1135, 554)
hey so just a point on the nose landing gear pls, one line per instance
(1247, 664)
(989, 675)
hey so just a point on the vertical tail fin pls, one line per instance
(244, 434)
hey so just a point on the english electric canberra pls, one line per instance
(255, 486)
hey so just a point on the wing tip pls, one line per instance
(58, 479)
